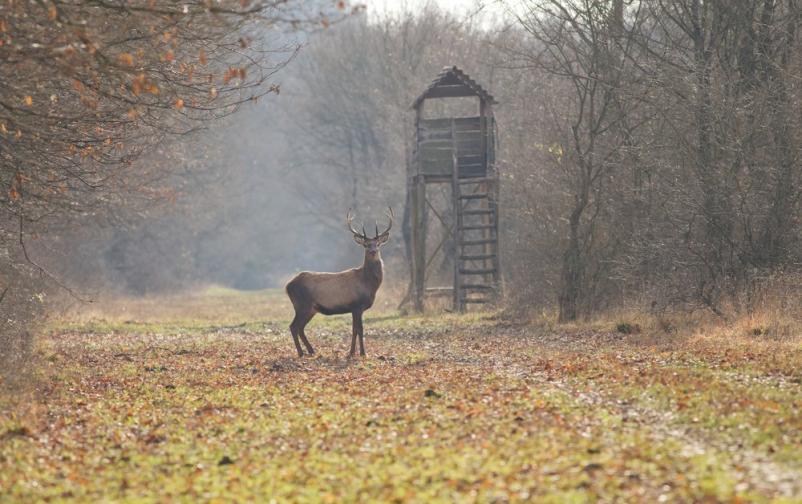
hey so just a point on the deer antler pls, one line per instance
(390, 216)
(348, 220)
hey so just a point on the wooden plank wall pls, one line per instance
(436, 141)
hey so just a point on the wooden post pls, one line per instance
(484, 108)
(487, 248)
(494, 188)
(455, 196)
(418, 240)
(417, 199)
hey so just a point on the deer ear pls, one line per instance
(384, 239)
(359, 240)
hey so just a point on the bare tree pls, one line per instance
(89, 87)
(581, 47)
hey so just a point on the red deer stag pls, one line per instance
(351, 291)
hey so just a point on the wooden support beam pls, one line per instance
(430, 260)
(418, 241)
(439, 291)
(455, 195)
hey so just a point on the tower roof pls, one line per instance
(453, 82)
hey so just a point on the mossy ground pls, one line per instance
(202, 398)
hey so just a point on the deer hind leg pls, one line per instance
(303, 336)
(295, 330)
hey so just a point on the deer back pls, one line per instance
(332, 293)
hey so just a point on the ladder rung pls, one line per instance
(476, 287)
(476, 300)
(477, 212)
(438, 291)
(474, 180)
(473, 196)
(477, 271)
(478, 242)
(472, 228)
(479, 257)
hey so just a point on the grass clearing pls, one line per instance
(201, 398)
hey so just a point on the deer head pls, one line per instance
(371, 245)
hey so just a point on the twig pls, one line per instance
(44, 272)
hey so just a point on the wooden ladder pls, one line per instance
(476, 265)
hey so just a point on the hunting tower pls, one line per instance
(455, 152)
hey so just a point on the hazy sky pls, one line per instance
(457, 6)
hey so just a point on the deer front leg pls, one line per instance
(353, 334)
(361, 332)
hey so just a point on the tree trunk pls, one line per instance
(571, 275)
(573, 267)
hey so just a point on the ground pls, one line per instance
(202, 398)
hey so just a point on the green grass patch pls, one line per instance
(175, 404)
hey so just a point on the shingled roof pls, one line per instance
(452, 82)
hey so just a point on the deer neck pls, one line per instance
(372, 270)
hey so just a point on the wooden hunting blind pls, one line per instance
(457, 153)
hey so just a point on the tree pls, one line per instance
(730, 218)
(88, 87)
(581, 47)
